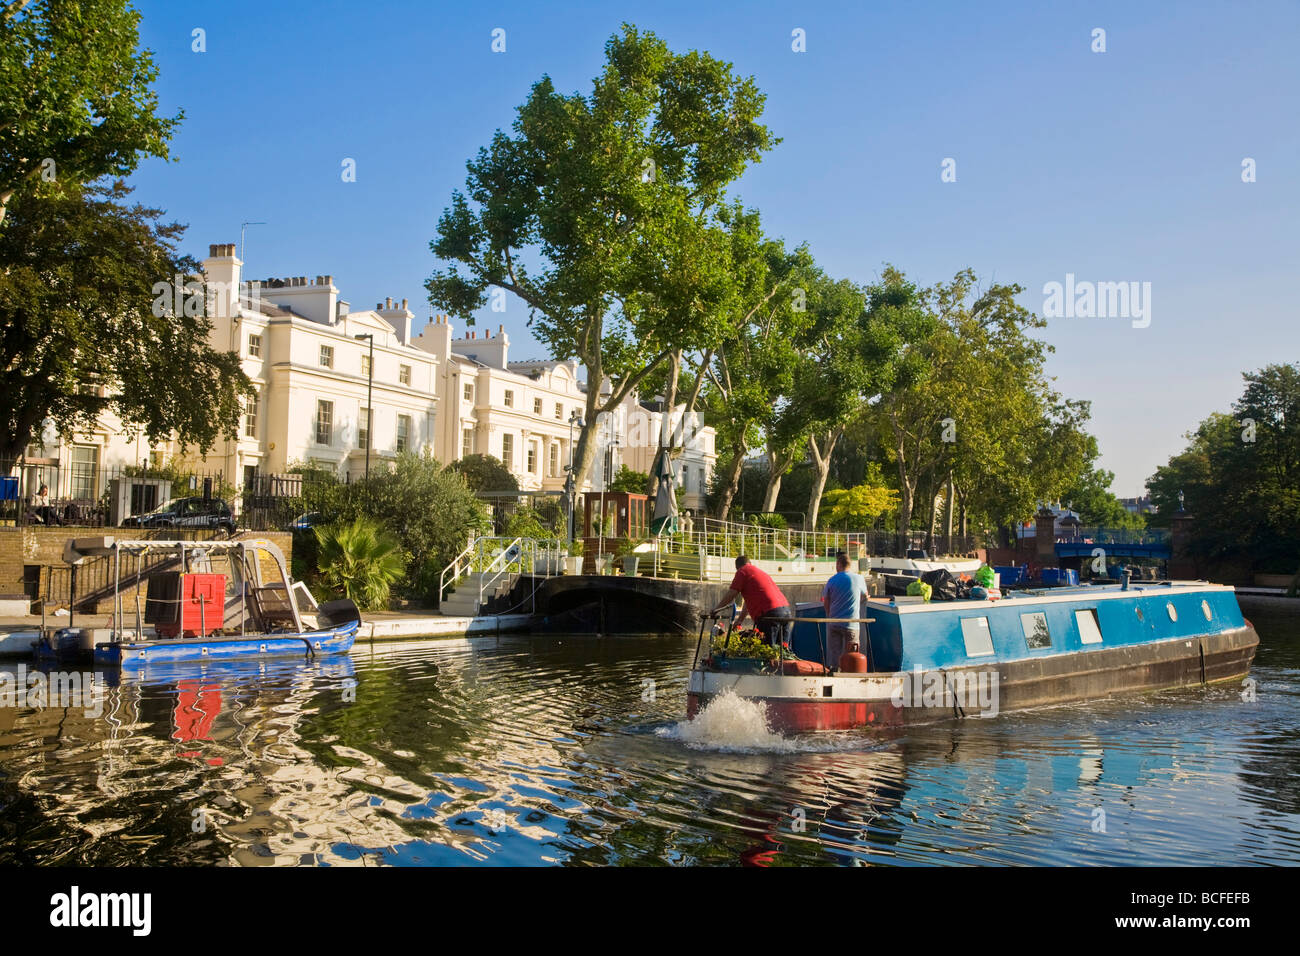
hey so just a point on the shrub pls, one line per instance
(360, 561)
(428, 508)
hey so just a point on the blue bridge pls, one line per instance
(1117, 542)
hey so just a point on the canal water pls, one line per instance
(572, 751)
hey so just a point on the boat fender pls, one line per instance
(852, 661)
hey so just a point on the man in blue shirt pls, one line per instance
(842, 597)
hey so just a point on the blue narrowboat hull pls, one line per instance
(336, 640)
(958, 658)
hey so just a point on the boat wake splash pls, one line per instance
(733, 724)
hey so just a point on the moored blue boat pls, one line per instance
(1029, 648)
(203, 600)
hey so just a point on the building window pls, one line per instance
(555, 460)
(324, 422)
(467, 443)
(254, 346)
(364, 421)
(1036, 634)
(250, 417)
(404, 374)
(85, 470)
(327, 356)
(508, 450)
(365, 366)
(532, 458)
(403, 432)
(537, 406)
(559, 411)
(469, 391)
(510, 398)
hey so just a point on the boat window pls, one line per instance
(1036, 633)
(1173, 615)
(1089, 628)
(975, 632)
(1205, 609)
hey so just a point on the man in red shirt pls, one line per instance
(764, 602)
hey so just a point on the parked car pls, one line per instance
(306, 522)
(187, 513)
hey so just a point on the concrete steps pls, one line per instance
(463, 601)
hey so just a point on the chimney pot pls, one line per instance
(388, 302)
(214, 251)
(379, 306)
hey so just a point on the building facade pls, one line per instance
(333, 383)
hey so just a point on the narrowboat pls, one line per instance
(177, 601)
(923, 661)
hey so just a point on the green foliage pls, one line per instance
(860, 507)
(769, 519)
(979, 409)
(74, 91)
(746, 643)
(77, 272)
(595, 212)
(1096, 504)
(429, 509)
(360, 561)
(529, 522)
(1240, 476)
(625, 479)
(486, 473)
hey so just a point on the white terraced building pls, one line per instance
(298, 342)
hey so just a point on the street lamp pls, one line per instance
(370, 391)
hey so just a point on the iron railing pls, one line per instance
(90, 495)
(496, 558)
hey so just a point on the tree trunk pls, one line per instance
(905, 491)
(948, 503)
(733, 484)
(778, 465)
(822, 463)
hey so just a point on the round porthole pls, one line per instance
(1205, 609)
(1173, 615)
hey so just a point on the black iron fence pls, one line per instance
(85, 494)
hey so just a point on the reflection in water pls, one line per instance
(531, 751)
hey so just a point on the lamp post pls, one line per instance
(570, 486)
(370, 392)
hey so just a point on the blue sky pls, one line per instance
(1117, 166)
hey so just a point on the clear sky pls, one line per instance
(1115, 166)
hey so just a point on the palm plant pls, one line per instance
(361, 560)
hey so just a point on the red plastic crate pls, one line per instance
(203, 605)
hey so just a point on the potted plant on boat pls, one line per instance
(744, 652)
